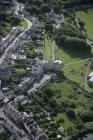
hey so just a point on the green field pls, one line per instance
(71, 56)
(77, 71)
(47, 48)
(66, 124)
(65, 92)
(87, 18)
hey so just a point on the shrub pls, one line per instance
(87, 116)
(70, 113)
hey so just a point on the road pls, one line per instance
(15, 41)
(44, 80)
(8, 123)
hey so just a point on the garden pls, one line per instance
(67, 103)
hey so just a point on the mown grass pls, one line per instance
(86, 17)
(77, 71)
(66, 124)
(70, 56)
(70, 94)
(47, 48)
(24, 24)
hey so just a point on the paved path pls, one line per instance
(86, 74)
(75, 62)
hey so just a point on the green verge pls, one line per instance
(47, 48)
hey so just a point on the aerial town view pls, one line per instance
(46, 69)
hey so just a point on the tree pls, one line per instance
(86, 116)
(48, 91)
(49, 27)
(70, 113)
(45, 8)
(82, 24)
(53, 104)
(73, 43)
(37, 2)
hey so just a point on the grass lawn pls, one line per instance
(24, 24)
(20, 72)
(71, 56)
(67, 123)
(68, 93)
(87, 18)
(77, 71)
(47, 48)
(65, 92)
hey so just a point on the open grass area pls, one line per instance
(66, 124)
(64, 56)
(24, 24)
(68, 93)
(75, 65)
(77, 71)
(47, 48)
(86, 17)
(71, 56)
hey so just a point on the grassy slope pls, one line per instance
(71, 56)
(77, 71)
(47, 48)
(66, 92)
(87, 18)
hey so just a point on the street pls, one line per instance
(44, 80)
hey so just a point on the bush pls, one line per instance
(48, 91)
(89, 126)
(53, 103)
(87, 116)
(61, 120)
(70, 113)
(73, 43)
